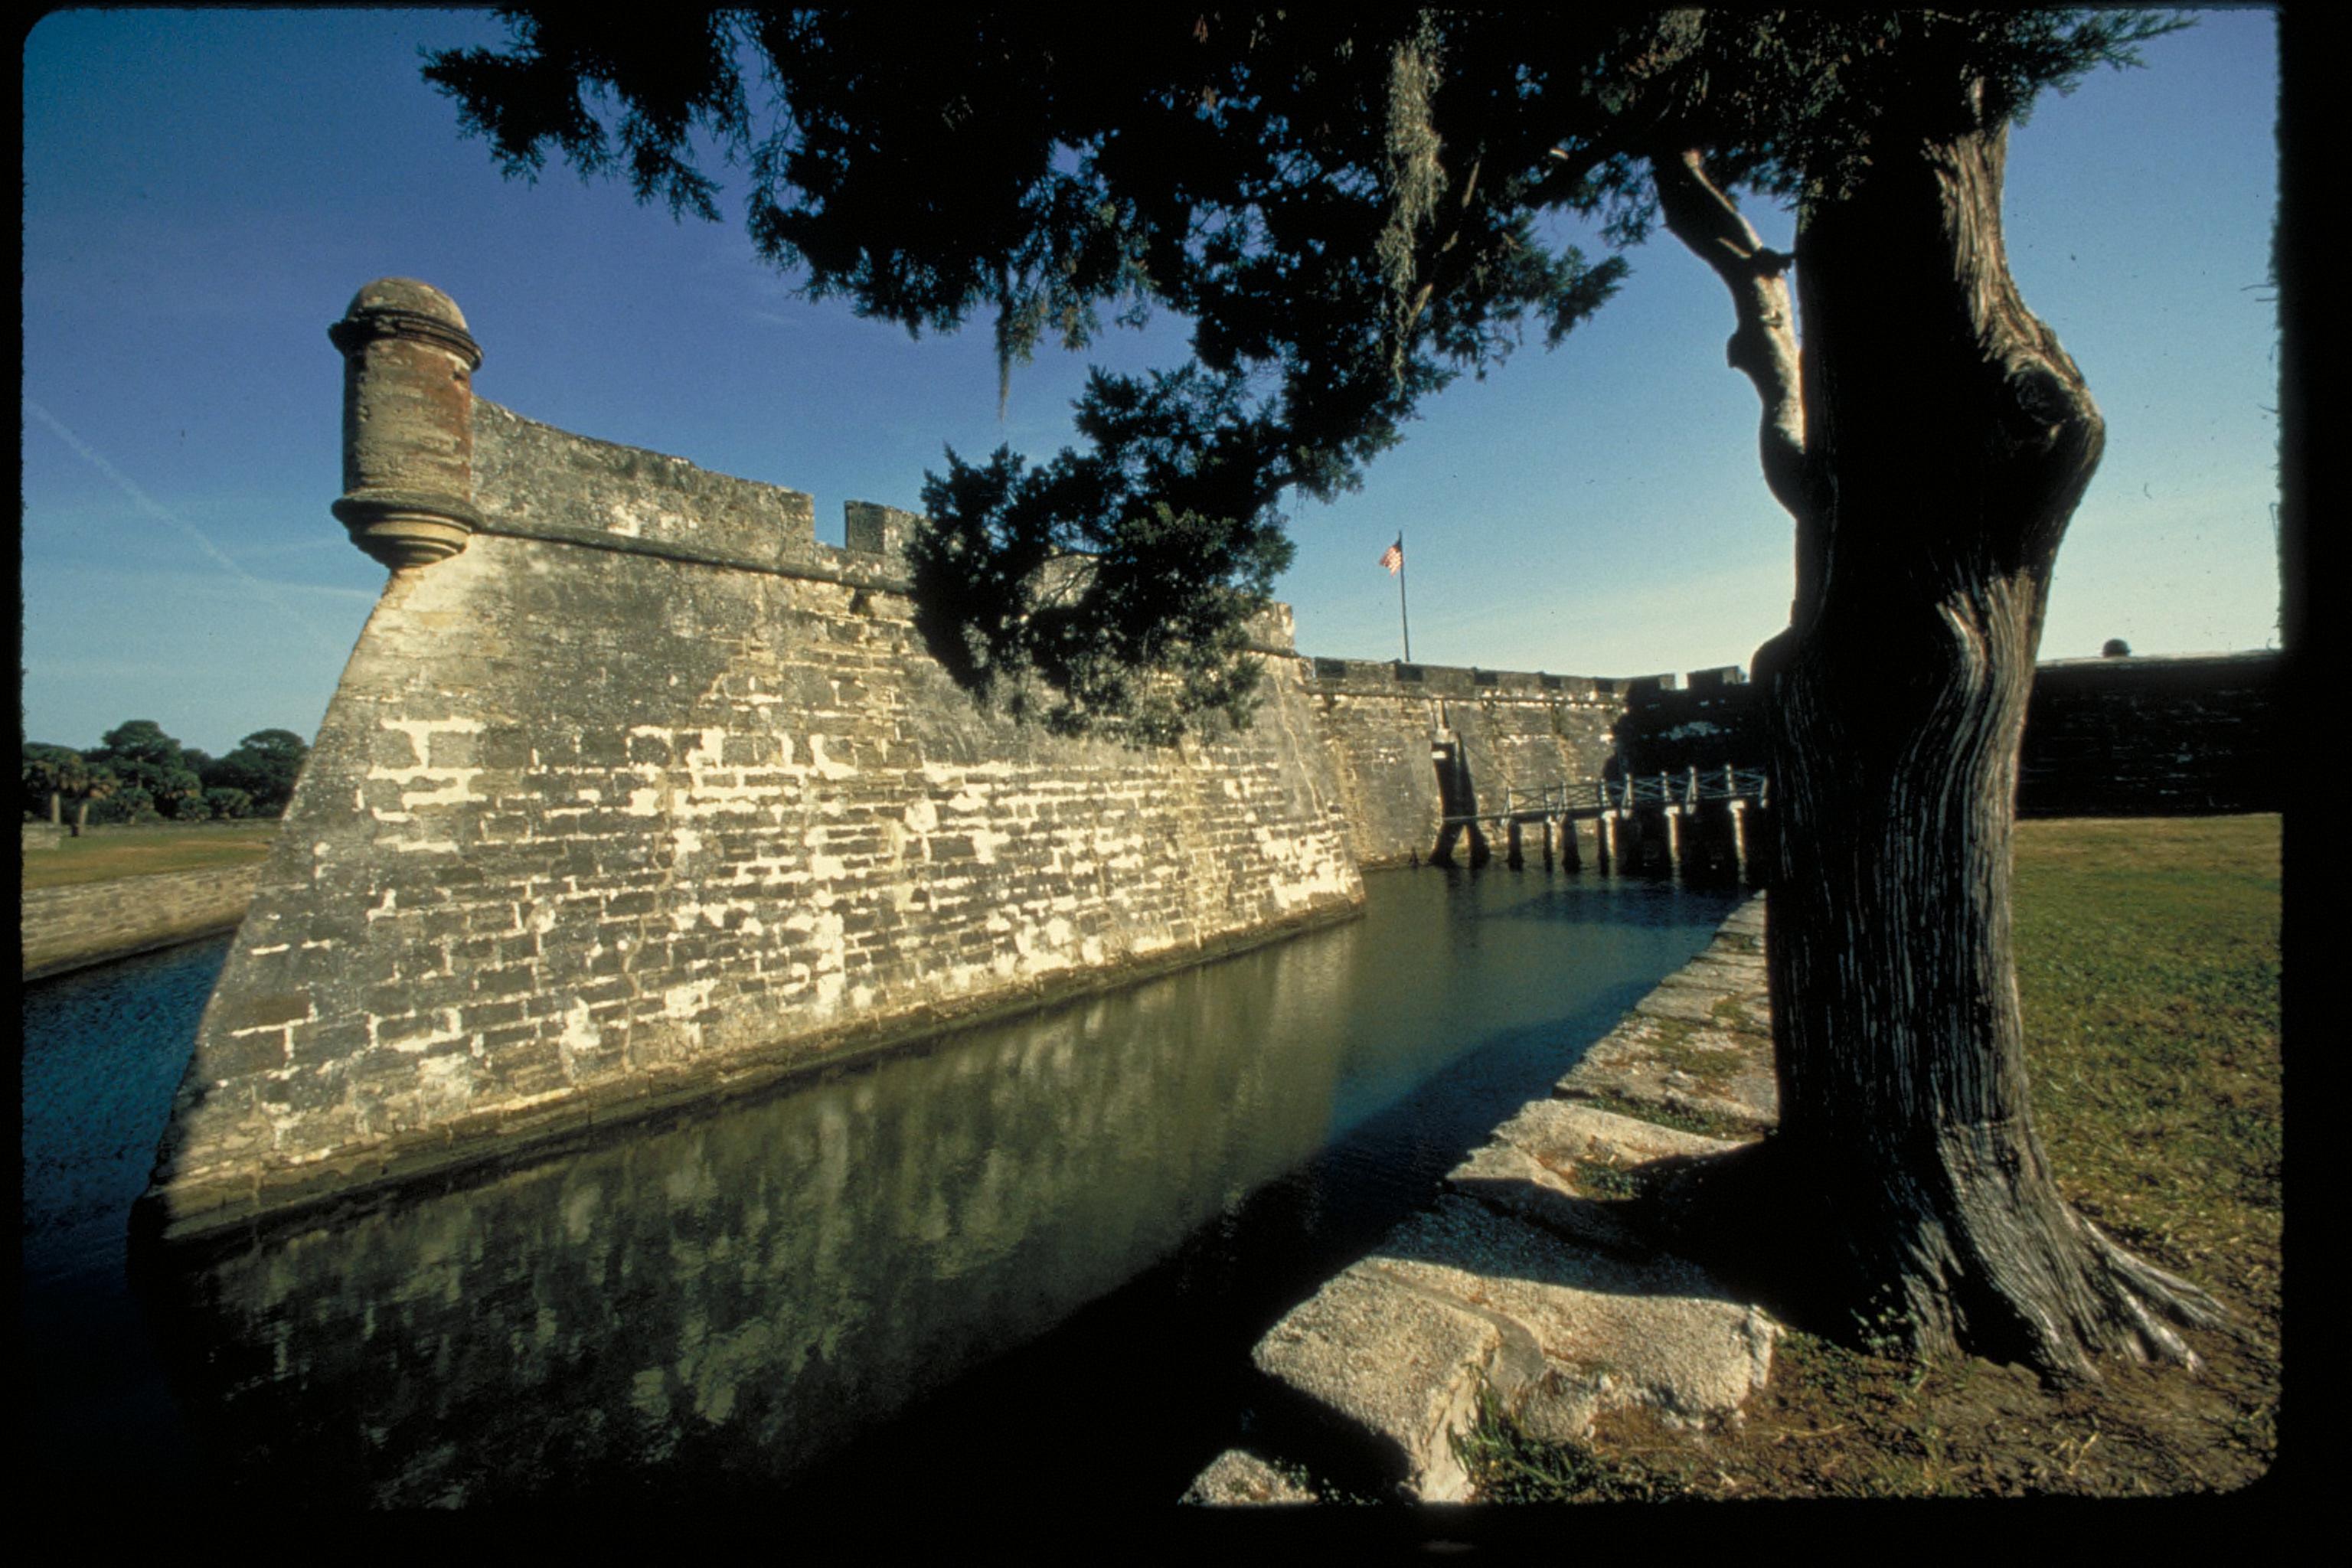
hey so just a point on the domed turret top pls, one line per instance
(407, 294)
(404, 308)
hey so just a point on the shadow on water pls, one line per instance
(104, 1049)
(1039, 1247)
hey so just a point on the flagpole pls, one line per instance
(1403, 616)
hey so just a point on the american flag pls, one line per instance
(1393, 556)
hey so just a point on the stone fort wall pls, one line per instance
(632, 791)
(1512, 730)
(2133, 736)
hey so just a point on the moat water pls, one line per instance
(1020, 1262)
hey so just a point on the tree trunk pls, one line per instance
(1949, 438)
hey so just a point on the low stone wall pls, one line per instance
(2139, 736)
(2163, 736)
(69, 928)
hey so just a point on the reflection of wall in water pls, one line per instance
(728, 1298)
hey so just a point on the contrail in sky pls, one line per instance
(153, 508)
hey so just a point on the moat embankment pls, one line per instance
(1523, 1281)
(75, 927)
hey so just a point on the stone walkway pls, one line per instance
(1522, 1279)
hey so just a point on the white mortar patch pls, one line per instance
(685, 1001)
(823, 767)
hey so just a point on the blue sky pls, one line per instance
(203, 191)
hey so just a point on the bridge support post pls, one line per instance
(1571, 856)
(1545, 823)
(1675, 837)
(1739, 809)
(1512, 856)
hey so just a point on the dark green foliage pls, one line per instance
(140, 741)
(1344, 205)
(222, 803)
(49, 775)
(126, 804)
(1124, 581)
(1234, 170)
(1793, 103)
(153, 769)
(139, 774)
(263, 767)
(54, 775)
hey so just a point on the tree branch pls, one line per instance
(1764, 348)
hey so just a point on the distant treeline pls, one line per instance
(138, 774)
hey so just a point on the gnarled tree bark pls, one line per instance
(1932, 443)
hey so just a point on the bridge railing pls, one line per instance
(1684, 791)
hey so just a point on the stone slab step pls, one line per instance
(1238, 1476)
(1395, 1351)
(1526, 1281)
(1571, 1167)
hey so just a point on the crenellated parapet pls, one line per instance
(1383, 678)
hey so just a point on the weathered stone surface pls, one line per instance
(1688, 1004)
(1515, 730)
(408, 422)
(68, 928)
(1724, 973)
(1239, 1476)
(1562, 1133)
(644, 790)
(1543, 1191)
(1611, 1332)
(1700, 1045)
(1568, 1166)
(2104, 737)
(1395, 1349)
(1394, 1367)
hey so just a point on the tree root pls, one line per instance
(2006, 1272)
(2146, 1296)
(2024, 1275)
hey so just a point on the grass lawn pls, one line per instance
(2148, 972)
(103, 854)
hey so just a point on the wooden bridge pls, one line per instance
(1699, 819)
